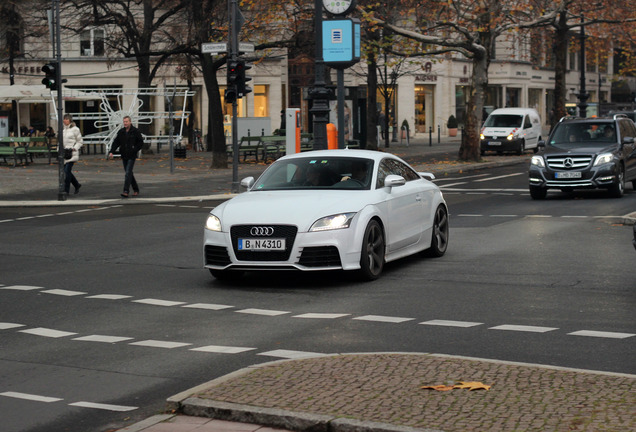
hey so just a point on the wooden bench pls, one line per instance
(14, 148)
(273, 146)
(248, 146)
(40, 146)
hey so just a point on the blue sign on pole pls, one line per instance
(341, 42)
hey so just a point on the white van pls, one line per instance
(511, 130)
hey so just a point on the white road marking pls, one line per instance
(209, 306)
(105, 407)
(504, 216)
(452, 184)
(601, 334)
(320, 315)
(160, 344)
(539, 216)
(7, 220)
(499, 177)
(470, 215)
(522, 328)
(288, 354)
(109, 297)
(44, 332)
(26, 218)
(62, 292)
(222, 349)
(45, 215)
(448, 323)
(22, 288)
(381, 318)
(266, 312)
(31, 397)
(6, 325)
(102, 338)
(158, 302)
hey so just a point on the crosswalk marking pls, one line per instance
(45, 332)
(380, 318)
(523, 328)
(602, 334)
(158, 302)
(449, 323)
(107, 407)
(222, 349)
(31, 397)
(160, 344)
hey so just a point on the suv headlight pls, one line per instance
(537, 161)
(603, 159)
(333, 222)
(213, 223)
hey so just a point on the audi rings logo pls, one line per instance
(568, 162)
(261, 231)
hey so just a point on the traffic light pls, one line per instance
(241, 86)
(232, 73)
(230, 95)
(50, 76)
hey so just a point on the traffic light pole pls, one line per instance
(233, 55)
(61, 194)
(320, 94)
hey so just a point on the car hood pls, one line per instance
(574, 148)
(301, 208)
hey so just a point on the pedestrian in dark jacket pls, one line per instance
(129, 141)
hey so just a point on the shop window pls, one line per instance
(92, 43)
(261, 101)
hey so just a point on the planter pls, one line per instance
(452, 132)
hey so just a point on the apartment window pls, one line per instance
(92, 43)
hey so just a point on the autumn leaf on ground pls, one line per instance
(472, 385)
(440, 387)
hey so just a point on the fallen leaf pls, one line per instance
(440, 387)
(471, 385)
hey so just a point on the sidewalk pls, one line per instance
(352, 392)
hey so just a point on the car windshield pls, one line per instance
(317, 173)
(584, 134)
(504, 120)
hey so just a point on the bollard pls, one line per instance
(430, 136)
(439, 134)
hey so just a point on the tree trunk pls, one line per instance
(216, 137)
(561, 43)
(469, 149)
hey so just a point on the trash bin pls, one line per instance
(180, 152)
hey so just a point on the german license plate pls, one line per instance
(259, 244)
(568, 174)
(494, 143)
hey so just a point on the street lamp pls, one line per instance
(583, 94)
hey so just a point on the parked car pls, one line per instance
(586, 153)
(327, 210)
(511, 130)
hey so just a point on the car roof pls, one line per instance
(363, 154)
(520, 111)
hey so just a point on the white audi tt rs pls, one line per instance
(327, 210)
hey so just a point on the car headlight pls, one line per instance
(482, 137)
(213, 223)
(333, 222)
(537, 161)
(510, 137)
(603, 159)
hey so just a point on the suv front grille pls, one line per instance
(569, 162)
(288, 232)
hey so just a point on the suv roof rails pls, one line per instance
(617, 116)
(568, 118)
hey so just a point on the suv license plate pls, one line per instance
(568, 174)
(256, 244)
(494, 143)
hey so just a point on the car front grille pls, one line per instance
(288, 232)
(320, 256)
(569, 162)
(216, 255)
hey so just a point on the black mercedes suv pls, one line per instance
(586, 153)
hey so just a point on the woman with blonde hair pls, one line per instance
(72, 139)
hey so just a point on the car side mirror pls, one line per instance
(427, 176)
(394, 180)
(628, 140)
(541, 144)
(247, 182)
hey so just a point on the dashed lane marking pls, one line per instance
(45, 332)
(522, 328)
(158, 302)
(601, 334)
(103, 338)
(498, 177)
(109, 297)
(321, 315)
(450, 323)
(222, 349)
(265, 312)
(381, 318)
(22, 287)
(7, 326)
(288, 354)
(31, 397)
(160, 344)
(207, 306)
(65, 293)
(106, 407)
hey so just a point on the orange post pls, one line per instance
(332, 136)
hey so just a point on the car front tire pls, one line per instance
(618, 189)
(439, 240)
(372, 254)
(538, 193)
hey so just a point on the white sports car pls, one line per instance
(327, 210)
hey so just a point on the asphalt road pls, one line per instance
(106, 311)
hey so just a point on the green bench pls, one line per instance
(273, 146)
(40, 146)
(248, 146)
(14, 148)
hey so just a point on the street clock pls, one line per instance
(339, 7)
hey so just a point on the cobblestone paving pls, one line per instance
(386, 388)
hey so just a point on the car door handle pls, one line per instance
(418, 198)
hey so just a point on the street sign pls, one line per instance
(213, 48)
(246, 47)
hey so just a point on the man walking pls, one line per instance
(129, 141)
